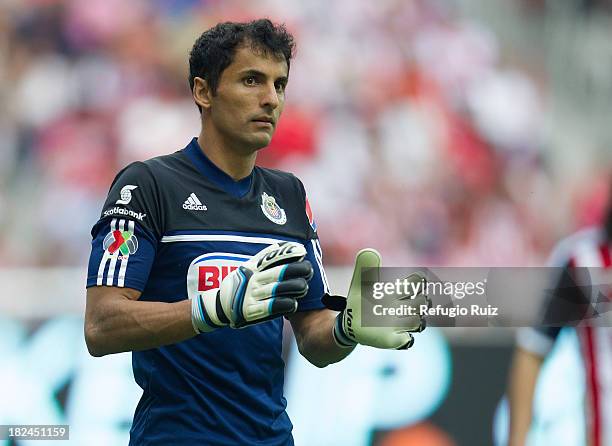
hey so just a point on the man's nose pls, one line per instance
(270, 97)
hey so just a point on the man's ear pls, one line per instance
(202, 93)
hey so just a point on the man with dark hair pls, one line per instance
(198, 255)
(569, 305)
(213, 51)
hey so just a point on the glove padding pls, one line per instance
(265, 287)
(348, 330)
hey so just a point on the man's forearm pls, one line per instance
(523, 377)
(121, 324)
(313, 333)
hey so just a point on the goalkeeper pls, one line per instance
(199, 254)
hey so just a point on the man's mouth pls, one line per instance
(264, 120)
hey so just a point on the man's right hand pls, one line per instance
(263, 288)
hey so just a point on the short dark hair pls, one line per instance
(214, 50)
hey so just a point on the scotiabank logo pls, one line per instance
(208, 271)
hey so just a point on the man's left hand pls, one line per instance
(349, 330)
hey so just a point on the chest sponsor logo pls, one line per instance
(124, 242)
(272, 210)
(207, 271)
(126, 194)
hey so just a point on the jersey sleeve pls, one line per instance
(125, 238)
(565, 305)
(318, 285)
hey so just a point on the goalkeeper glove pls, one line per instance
(265, 287)
(348, 329)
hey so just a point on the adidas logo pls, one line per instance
(193, 204)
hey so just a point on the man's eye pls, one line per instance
(280, 87)
(250, 80)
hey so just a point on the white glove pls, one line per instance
(348, 330)
(264, 287)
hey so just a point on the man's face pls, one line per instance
(249, 99)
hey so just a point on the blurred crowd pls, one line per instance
(411, 129)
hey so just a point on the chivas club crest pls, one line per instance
(272, 210)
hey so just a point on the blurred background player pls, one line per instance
(570, 305)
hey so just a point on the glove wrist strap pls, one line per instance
(340, 337)
(204, 316)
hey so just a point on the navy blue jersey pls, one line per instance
(172, 227)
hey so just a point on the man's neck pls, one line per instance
(237, 165)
